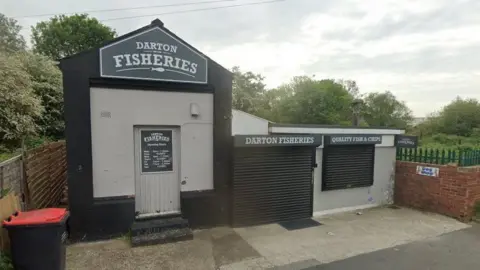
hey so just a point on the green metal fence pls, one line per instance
(470, 157)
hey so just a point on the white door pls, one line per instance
(157, 171)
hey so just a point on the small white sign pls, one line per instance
(428, 171)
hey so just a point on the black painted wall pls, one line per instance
(102, 218)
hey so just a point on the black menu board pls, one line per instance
(157, 151)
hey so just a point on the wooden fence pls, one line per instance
(8, 205)
(34, 180)
(46, 173)
(11, 176)
(464, 158)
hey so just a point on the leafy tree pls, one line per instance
(47, 85)
(270, 104)
(351, 86)
(19, 106)
(62, 35)
(247, 90)
(460, 117)
(311, 101)
(10, 38)
(385, 110)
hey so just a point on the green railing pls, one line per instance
(469, 157)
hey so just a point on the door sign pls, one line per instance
(156, 151)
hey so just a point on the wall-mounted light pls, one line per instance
(194, 110)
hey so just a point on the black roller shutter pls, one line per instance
(347, 166)
(271, 184)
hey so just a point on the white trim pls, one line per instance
(344, 209)
(150, 215)
(151, 79)
(335, 130)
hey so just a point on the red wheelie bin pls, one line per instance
(38, 238)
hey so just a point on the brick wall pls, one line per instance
(453, 193)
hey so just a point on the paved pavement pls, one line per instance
(456, 250)
(271, 246)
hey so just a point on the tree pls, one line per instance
(247, 90)
(62, 35)
(351, 86)
(311, 101)
(460, 117)
(47, 85)
(384, 110)
(10, 38)
(270, 104)
(19, 106)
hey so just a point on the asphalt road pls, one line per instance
(452, 251)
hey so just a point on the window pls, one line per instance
(347, 166)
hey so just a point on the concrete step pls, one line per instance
(159, 231)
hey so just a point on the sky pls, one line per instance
(426, 52)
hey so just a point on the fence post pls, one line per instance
(470, 158)
(1, 181)
(443, 157)
(466, 159)
(460, 157)
(25, 198)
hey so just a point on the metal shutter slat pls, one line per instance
(271, 184)
(347, 166)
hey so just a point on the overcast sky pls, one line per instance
(426, 52)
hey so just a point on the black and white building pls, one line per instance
(148, 133)
(152, 140)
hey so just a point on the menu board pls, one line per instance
(156, 151)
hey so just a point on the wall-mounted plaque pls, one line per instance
(405, 141)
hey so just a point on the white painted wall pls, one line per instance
(247, 124)
(381, 192)
(112, 137)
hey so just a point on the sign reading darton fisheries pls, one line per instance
(153, 55)
(277, 140)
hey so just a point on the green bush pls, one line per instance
(477, 210)
(12, 148)
(450, 142)
(5, 261)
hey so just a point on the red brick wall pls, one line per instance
(453, 193)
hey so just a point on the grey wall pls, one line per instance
(380, 193)
(112, 137)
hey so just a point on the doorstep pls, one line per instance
(160, 230)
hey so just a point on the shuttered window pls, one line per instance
(348, 166)
(272, 184)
